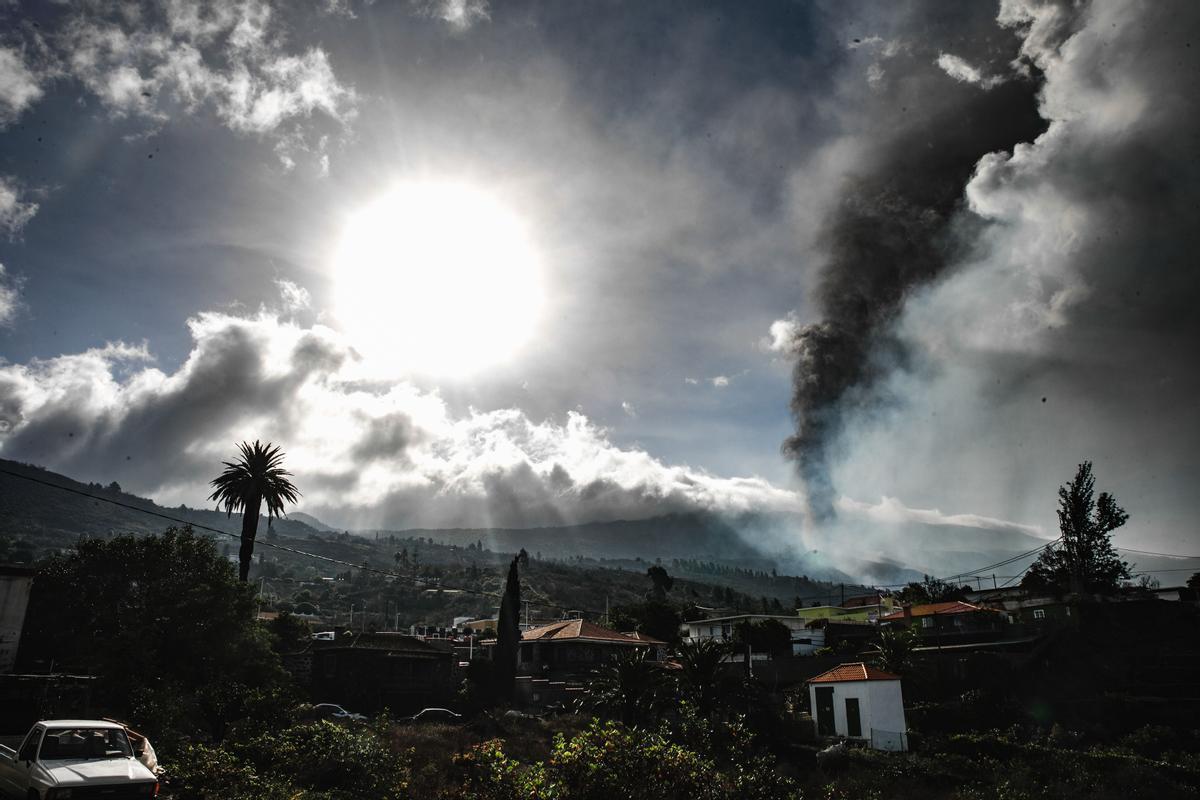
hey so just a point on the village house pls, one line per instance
(569, 649)
(722, 628)
(857, 701)
(948, 623)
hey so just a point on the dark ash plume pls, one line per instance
(890, 234)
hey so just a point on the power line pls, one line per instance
(276, 546)
(1152, 553)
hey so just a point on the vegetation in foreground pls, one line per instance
(580, 758)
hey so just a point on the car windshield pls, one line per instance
(85, 743)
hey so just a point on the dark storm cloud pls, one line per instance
(150, 438)
(891, 231)
(386, 438)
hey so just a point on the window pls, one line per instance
(74, 743)
(29, 748)
(926, 622)
(1039, 613)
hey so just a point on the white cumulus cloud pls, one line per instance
(10, 297)
(368, 454)
(15, 211)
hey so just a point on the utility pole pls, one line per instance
(994, 586)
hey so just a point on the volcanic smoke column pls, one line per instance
(898, 225)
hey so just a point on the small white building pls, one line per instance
(858, 701)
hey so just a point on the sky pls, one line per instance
(529, 263)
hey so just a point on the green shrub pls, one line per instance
(326, 756)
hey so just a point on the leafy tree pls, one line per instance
(768, 636)
(653, 618)
(1085, 560)
(164, 624)
(931, 590)
(662, 582)
(255, 477)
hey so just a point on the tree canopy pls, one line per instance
(1085, 559)
(161, 620)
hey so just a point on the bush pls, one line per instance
(608, 760)
(324, 755)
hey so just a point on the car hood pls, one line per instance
(77, 772)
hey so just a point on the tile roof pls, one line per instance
(581, 629)
(929, 609)
(857, 671)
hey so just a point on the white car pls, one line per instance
(65, 758)
(333, 711)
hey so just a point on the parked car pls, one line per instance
(64, 758)
(433, 715)
(334, 711)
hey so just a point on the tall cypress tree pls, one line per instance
(508, 634)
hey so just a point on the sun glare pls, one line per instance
(437, 278)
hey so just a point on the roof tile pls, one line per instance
(857, 671)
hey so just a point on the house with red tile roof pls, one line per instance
(570, 648)
(951, 622)
(859, 701)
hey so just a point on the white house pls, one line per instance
(860, 702)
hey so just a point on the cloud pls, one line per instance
(15, 212)
(628, 408)
(892, 511)
(720, 381)
(151, 61)
(781, 335)
(960, 70)
(338, 8)
(10, 297)
(293, 296)
(363, 454)
(19, 85)
(692, 381)
(458, 14)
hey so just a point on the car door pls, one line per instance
(26, 755)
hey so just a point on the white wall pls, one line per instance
(816, 637)
(14, 597)
(880, 708)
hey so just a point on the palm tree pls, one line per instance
(630, 688)
(256, 476)
(702, 680)
(896, 647)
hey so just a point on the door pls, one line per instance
(853, 722)
(825, 726)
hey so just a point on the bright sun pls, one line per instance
(437, 278)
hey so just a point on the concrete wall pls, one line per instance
(14, 597)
